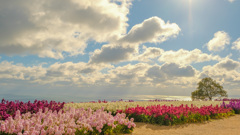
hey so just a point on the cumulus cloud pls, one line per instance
(127, 75)
(71, 73)
(185, 57)
(174, 70)
(85, 74)
(51, 27)
(219, 41)
(170, 74)
(153, 29)
(82, 74)
(226, 72)
(113, 53)
(148, 54)
(74, 73)
(155, 72)
(154, 76)
(8, 70)
(170, 71)
(228, 64)
(236, 44)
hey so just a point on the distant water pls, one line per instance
(77, 99)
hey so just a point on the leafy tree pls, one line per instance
(208, 88)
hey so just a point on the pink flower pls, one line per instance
(3, 128)
(69, 131)
(43, 132)
(58, 133)
(26, 133)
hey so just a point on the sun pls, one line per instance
(189, 1)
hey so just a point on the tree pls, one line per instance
(208, 88)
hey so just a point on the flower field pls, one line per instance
(102, 117)
(121, 105)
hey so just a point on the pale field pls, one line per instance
(121, 105)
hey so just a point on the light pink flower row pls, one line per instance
(62, 123)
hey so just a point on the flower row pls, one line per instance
(120, 105)
(74, 121)
(105, 101)
(9, 108)
(226, 99)
(234, 104)
(171, 115)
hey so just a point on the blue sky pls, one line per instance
(118, 47)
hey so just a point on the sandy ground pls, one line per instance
(226, 126)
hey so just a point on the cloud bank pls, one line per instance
(51, 27)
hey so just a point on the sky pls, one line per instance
(57, 48)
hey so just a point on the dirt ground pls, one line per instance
(226, 126)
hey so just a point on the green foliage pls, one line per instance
(157, 120)
(122, 129)
(237, 111)
(174, 120)
(140, 118)
(2, 133)
(208, 88)
(106, 130)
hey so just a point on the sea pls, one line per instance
(79, 99)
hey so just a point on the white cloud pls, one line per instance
(113, 53)
(168, 75)
(51, 27)
(154, 76)
(153, 29)
(185, 57)
(175, 70)
(58, 73)
(236, 44)
(84, 74)
(219, 41)
(141, 75)
(231, 1)
(155, 71)
(227, 72)
(10, 71)
(228, 64)
(149, 53)
(128, 75)
(169, 72)
(75, 73)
